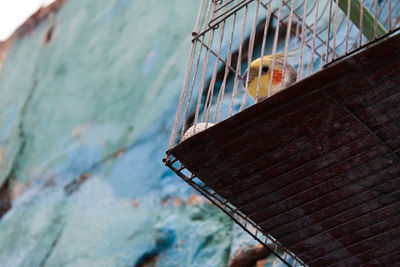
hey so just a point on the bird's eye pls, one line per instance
(265, 69)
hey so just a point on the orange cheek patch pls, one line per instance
(277, 77)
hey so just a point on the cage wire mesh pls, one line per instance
(245, 51)
(293, 36)
(284, 255)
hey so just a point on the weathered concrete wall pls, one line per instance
(88, 97)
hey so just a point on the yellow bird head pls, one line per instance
(278, 81)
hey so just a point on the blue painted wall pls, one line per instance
(85, 121)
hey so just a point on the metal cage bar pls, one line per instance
(318, 33)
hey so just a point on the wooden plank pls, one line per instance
(320, 196)
(327, 247)
(278, 177)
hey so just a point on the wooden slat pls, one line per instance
(320, 196)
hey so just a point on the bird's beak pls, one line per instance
(244, 77)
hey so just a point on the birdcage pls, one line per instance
(249, 58)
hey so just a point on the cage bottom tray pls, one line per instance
(316, 166)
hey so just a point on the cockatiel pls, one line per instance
(277, 80)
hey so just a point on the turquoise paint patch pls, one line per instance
(139, 170)
(10, 123)
(117, 8)
(83, 157)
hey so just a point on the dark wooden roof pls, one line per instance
(317, 165)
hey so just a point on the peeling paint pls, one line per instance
(177, 202)
(18, 190)
(77, 131)
(149, 62)
(195, 199)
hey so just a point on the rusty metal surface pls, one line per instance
(317, 166)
